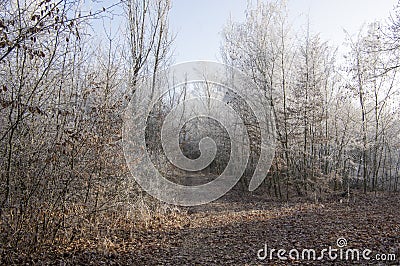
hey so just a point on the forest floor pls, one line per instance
(232, 230)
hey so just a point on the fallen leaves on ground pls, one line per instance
(229, 232)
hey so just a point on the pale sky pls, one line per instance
(198, 23)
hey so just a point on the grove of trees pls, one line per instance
(63, 94)
(337, 115)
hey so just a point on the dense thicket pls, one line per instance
(337, 115)
(62, 97)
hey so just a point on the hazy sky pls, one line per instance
(198, 23)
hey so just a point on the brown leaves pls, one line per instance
(41, 26)
(33, 109)
(35, 17)
(231, 232)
